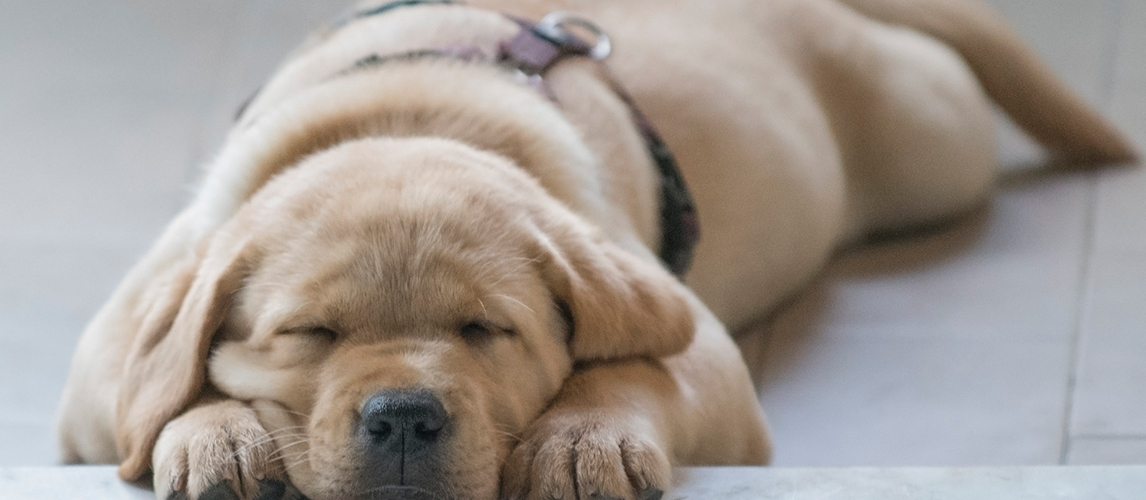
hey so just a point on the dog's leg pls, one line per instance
(218, 450)
(616, 428)
(1012, 74)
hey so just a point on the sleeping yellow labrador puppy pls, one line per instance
(432, 259)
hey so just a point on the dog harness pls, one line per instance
(535, 49)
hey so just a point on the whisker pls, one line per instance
(290, 428)
(284, 454)
(284, 448)
(269, 437)
(515, 437)
(284, 430)
(287, 457)
(525, 262)
(289, 411)
(297, 441)
(511, 299)
(484, 311)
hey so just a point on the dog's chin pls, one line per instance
(382, 493)
(334, 476)
(356, 486)
(399, 493)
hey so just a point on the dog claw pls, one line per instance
(271, 489)
(652, 494)
(219, 491)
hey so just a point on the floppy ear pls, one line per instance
(165, 368)
(621, 305)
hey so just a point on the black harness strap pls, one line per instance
(533, 51)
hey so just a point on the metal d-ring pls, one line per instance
(553, 26)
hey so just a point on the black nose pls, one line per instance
(403, 422)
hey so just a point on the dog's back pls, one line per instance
(806, 124)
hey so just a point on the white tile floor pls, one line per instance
(724, 483)
(1013, 338)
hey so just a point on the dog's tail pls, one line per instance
(1015, 78)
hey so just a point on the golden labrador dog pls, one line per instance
(419, 268)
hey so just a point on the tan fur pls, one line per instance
(351, 224)
(1022, 84)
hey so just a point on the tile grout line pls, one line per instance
(1113, 46)
(1111, 437)
(1089, 229)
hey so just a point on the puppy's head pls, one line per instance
(397, 311)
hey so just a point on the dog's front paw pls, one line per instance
(218, 451)
(587, 456)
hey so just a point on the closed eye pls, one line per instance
(317, 331)
(481, 330)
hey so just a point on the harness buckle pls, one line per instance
(554, 24)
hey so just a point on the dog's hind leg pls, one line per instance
(1012, 74)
